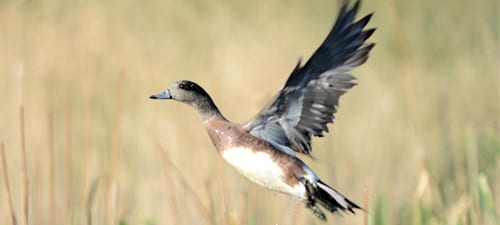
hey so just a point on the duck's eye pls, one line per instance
(182, 86)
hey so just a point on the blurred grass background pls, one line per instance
(417, 142)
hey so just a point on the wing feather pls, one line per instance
(310, 97)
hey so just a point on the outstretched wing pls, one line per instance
(309, 99)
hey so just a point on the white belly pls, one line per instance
(260, 168)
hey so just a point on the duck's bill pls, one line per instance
(163, 95)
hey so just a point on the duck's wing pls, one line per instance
(309, 99)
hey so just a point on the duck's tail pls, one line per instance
(329, 198)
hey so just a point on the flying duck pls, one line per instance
(265, 148)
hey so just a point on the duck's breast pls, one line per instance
(261, 168)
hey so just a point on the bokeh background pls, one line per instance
(416, 142)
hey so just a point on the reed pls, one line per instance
(222, 193)
(7, 185)
(200, 207)
(211, 202)
(68, 158)
(88, 145)
(243, 217)
(91, 196)
(24, 172)
(298, 210)
(170, 184)
(52, 171)
(365, 206)
(115, 152)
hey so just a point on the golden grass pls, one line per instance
(10, 211)
(416, 142)
(24, 173)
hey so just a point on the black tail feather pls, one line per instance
(328, 198)
(333, 200)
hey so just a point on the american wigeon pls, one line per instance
(264, 149)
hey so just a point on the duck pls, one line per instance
(267, 148)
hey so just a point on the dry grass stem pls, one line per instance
(170, 166)
(243, 215)
(365, 206)
(24, 172)
(7, 185)
(68, 156)
(86, 158)
(222, 195)
(174, 212)
(115, 151)
(211, 205)
(52, 171)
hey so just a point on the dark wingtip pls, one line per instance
(153, 97)
(367, 33)
(363, 21)
(356, 6)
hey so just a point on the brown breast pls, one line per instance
(225, 134)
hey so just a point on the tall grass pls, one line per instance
(8, 196)
(23, 162)
(416, 142)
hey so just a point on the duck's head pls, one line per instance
(192, 94)
(184, 91)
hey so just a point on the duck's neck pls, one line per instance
(208, 110)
